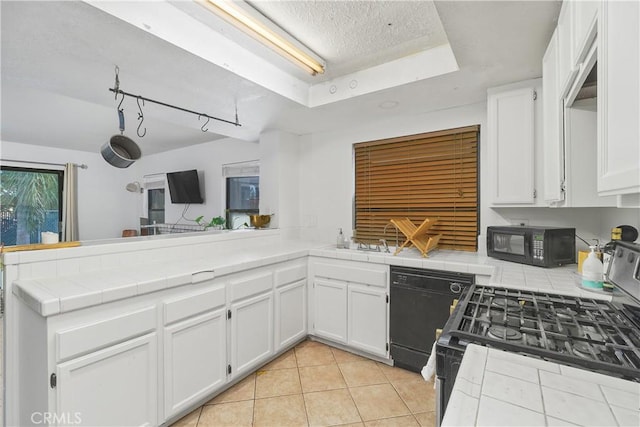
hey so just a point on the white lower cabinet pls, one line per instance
(367, 319)
(350, 304)
(195, 359)
(115, 386)
(330, 310)
(291, 314)
(251, 333)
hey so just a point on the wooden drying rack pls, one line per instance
(417, 236)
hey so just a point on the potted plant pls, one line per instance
(216, 222)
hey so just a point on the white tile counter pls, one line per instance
(488, 271)
(497, 388)
(57, 281)
(52, 295)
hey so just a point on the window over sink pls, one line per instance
(433, 175)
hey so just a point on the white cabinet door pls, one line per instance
(330, 310)
(195, 360)
(367, 319)
(567, 69)
(291, 313)
(553, 156)
(585, 28)
(511, 146)
(619, 99)
(116, 386)
(251, 332)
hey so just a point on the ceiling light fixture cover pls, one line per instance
(243, 21)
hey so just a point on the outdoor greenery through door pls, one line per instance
(30, 203)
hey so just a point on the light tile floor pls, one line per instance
(317, 385)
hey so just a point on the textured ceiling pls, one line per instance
(354, 35)
(58, 60)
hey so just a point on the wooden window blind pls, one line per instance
(428, 175)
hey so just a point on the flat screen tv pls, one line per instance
(184, 187)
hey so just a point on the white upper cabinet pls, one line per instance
(584, 23)
(566, 65)
(511, 138)
(619, 99)
(553, 155)
(570, 110)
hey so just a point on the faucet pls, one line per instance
(385, 246)
(384, 232)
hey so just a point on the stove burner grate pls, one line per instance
(584, 331)
(501, 332)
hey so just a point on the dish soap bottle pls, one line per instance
(592, 271)
(340, 240)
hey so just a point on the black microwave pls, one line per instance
(533, 245)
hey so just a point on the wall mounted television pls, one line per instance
(184, 187)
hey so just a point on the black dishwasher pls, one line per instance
(419, 304)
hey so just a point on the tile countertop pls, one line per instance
(54, 295)
(488, 271)
(494, 387)
(50, 296)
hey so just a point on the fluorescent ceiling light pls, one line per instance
(252, 26)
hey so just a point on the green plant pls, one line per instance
(217, 221)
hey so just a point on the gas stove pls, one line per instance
(579, 331)
(588, 333)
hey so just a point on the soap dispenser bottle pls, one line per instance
(340, 240)
(592, 271)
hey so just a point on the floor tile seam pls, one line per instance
(326, 389)
(394, 416)
(401, 398)
(255, 391)
(227, 401)
(355, 405)
(320, 364)
(199, 415)
(367, 384)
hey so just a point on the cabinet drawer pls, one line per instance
(196, 303)
(290, 274)
(352, 274)
(246, 286)
(87, 338)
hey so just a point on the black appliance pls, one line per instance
(533, 245)
(587, 333)
(184, 187)
(419, 304)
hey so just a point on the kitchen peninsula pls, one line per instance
(181, 318)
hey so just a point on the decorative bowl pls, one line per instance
(259, 221)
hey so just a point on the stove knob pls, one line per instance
(631, 257)
(620, 252)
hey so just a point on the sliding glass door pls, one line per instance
(30, 203)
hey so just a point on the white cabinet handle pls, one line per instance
(202, 276)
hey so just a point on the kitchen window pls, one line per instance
(242, 192)
(243, 199)
(418, 176)
(31, 203)
(155, 211)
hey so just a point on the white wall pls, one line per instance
(327, 183)
(326, 165)
(279, 176)
(208, 158)
(105, 208)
